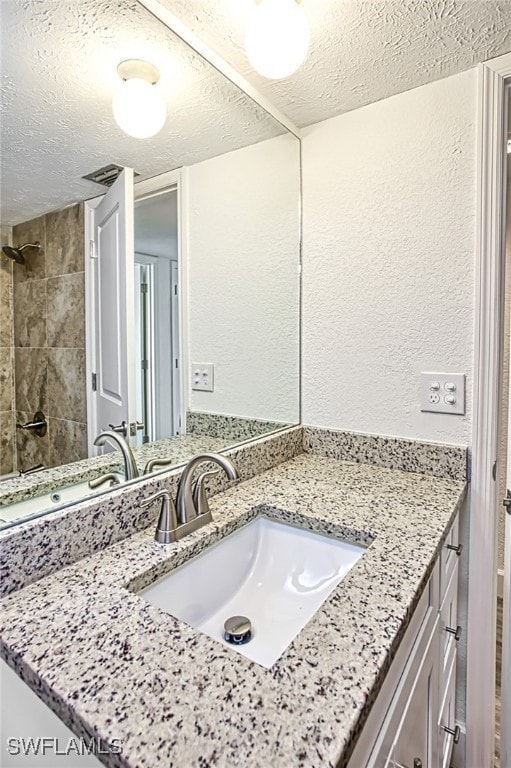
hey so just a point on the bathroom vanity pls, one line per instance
(368, 680)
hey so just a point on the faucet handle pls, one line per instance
(200, 499)
(110, 477)
(166, 530)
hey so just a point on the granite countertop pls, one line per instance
(115, 667)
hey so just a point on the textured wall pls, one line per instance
(7, 420)
(243, 257)
(389, 216)
(49, 338)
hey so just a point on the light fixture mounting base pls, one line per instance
(140, 69)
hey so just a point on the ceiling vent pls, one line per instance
(107, 175)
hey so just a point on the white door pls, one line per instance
(114, 401)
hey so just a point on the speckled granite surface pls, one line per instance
(437, 459)
(115, 667)
(232, 427)
(40, 546)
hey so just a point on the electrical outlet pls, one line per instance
(202, 377)
(443, 393)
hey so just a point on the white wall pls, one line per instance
(389, 220)
(243, 279)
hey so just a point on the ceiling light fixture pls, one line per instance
(277, 38)
(138, 105)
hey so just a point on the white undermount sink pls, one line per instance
(272, 573)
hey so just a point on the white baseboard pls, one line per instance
(458, 751)
(500, 582)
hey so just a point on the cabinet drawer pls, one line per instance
(409, 729)
(375, 746)
(449, 620)
(449, 557)
(447, 716)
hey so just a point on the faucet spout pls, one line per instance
(130, 465)
(185, 503)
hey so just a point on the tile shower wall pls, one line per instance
(49, 338)
(7, 420)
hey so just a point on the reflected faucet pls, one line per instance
(130, 465)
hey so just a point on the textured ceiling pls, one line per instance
(56, 96)
(58, 65)
(361, 50)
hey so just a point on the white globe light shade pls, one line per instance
(277, 38)
(139, 108)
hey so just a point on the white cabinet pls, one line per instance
(31, 735)
(446, 722)
(416, 743)
(408, 737)
(412, 723)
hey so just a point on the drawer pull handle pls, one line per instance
(456, 632)
(454, 732)
(458, 549)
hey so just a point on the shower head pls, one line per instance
(16, 253)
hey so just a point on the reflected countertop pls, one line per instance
(179, 448)
(114, 666)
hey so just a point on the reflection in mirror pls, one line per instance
(208, 321)
(158, 405)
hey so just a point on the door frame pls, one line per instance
(179, 179)
(493, 78)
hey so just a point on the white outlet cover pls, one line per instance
(201, 377)
(443, 393)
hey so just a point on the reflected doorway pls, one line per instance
(158, 405)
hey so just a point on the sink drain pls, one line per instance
(237, 630)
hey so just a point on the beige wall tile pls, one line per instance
(66, 384)
(30, 313)
(31, 449)
(66, 310)
(65, 241)
(6, 379)
(31, 386)
(7, 443)
(6, 325)
(68, 441)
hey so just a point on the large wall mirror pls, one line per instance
(159, 300)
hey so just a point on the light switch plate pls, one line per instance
(202, 377)
(443, 393)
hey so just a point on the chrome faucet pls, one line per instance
(190, 501)
(130, 465)
(192, 504)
